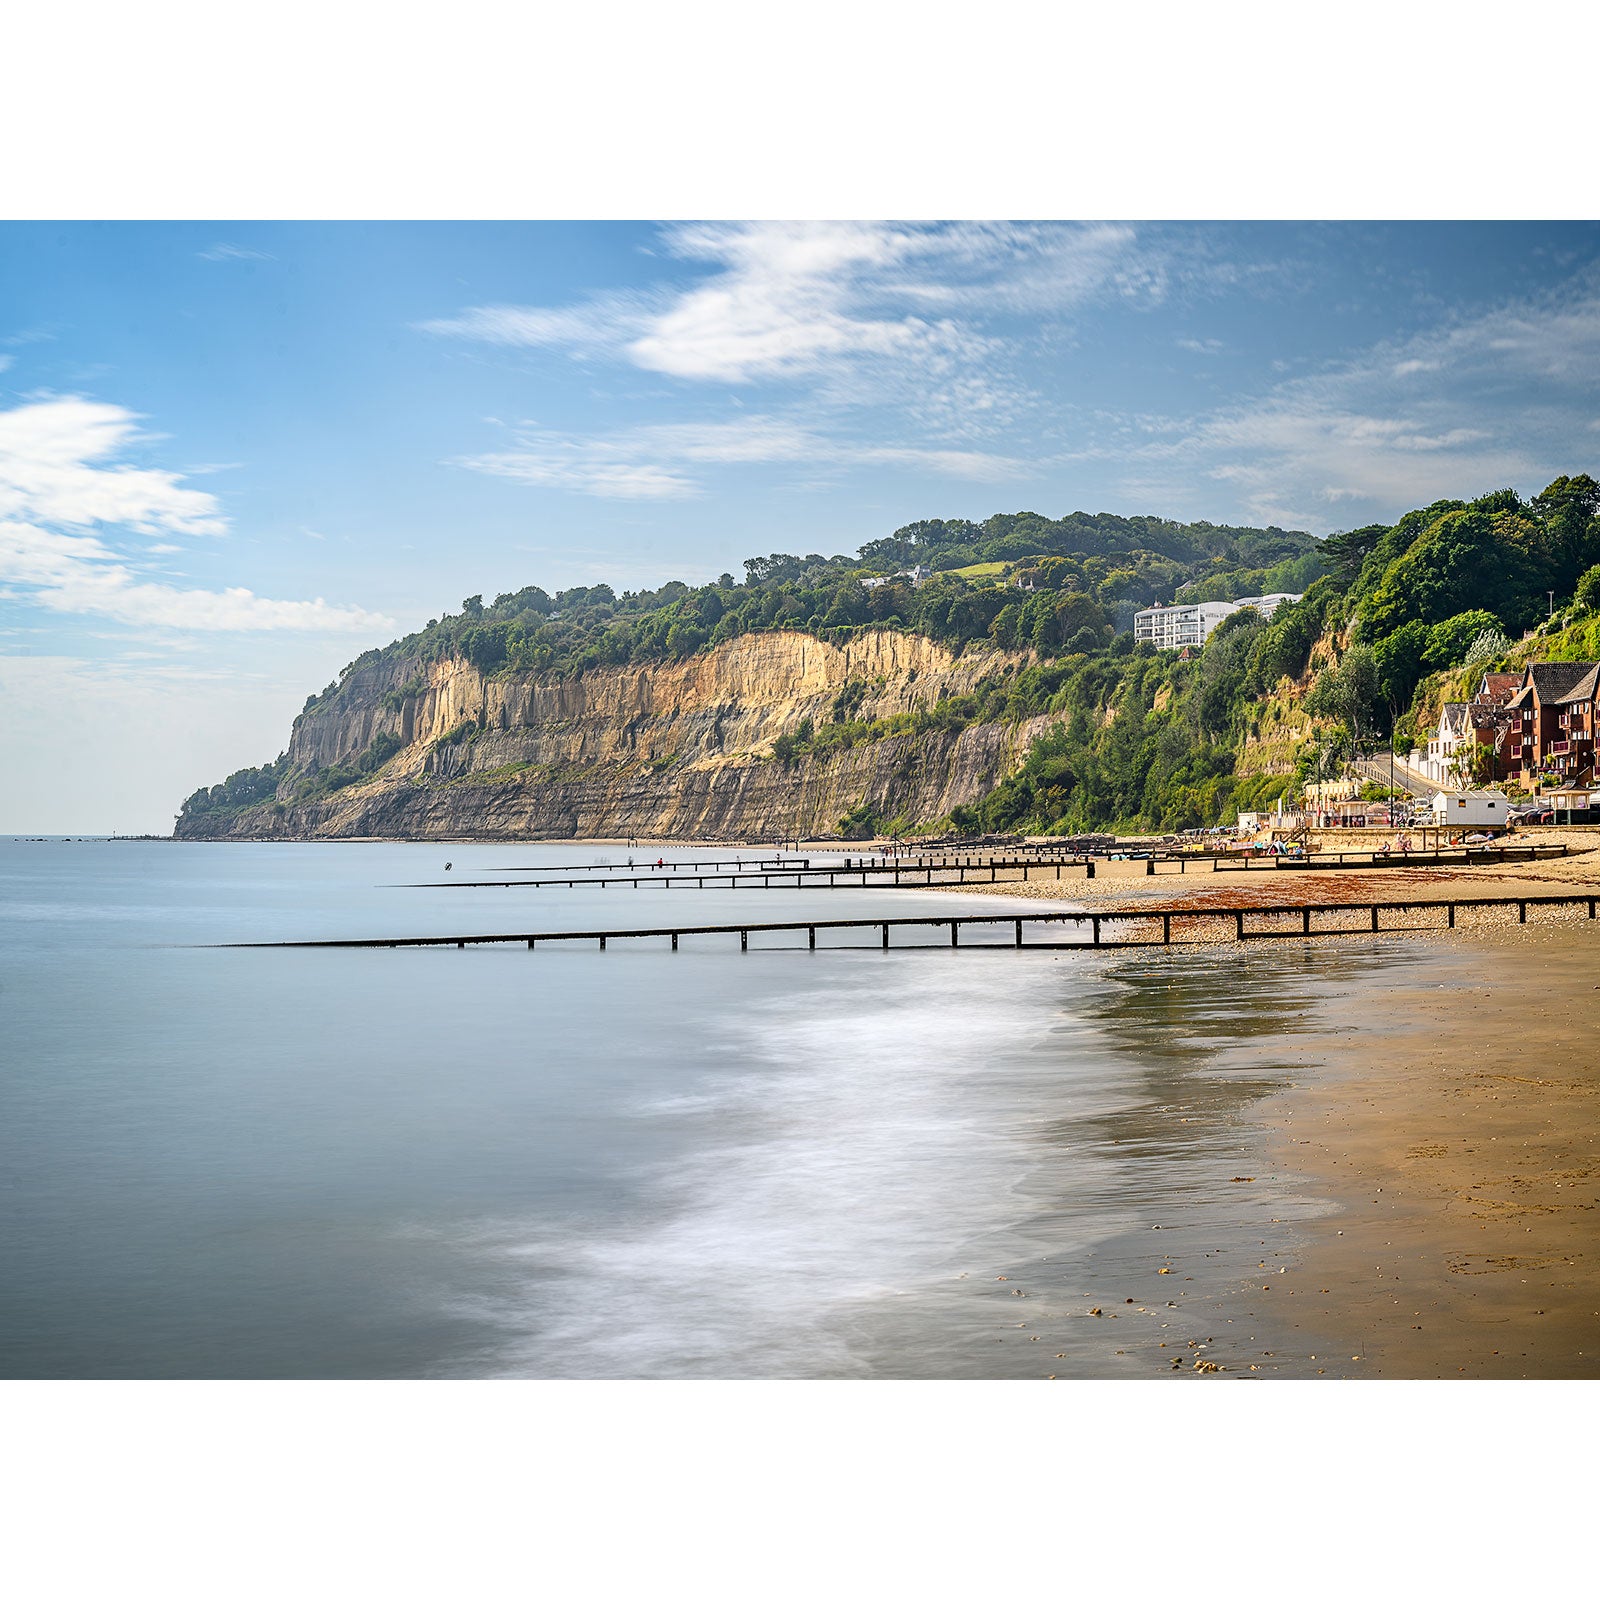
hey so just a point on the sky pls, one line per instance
(235, 455)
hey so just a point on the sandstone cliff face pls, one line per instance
(676, 750)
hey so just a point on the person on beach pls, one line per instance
(1405, 844)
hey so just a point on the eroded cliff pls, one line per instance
(670, 750)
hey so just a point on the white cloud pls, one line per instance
(59, 480)
(233, 252)
(1477, 404)
(795, 300)
(54, 467)
(1202, 347)
(656, 462)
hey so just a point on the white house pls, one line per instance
(1471, 808)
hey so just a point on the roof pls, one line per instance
(1452, 718)
(1554, 682)
(1498, 687)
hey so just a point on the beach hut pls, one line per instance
(1470, 808)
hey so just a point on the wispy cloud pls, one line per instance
(1478, 403)
(659, 462)
(64, 496)
(233, 252)
(834, 302)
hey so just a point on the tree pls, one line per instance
(1400, 662)
(1450, 640)
(1349, 692)
(1588, 591)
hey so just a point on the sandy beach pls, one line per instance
(1437, 1146)
(1457, 1141)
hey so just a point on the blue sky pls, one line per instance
(234, 455)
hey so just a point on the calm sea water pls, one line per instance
(490, 1162)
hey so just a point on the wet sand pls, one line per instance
(1422, 1198)
(1461, 1153)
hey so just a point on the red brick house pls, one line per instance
(1553, 723)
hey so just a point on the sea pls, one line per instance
(493, 1162)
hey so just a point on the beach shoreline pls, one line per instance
(1458, 1152)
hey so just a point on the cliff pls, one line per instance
(667, 750)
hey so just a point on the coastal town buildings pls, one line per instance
(1553, 712)
(1476, 736)
(1178, 627)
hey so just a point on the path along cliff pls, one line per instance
(680, 749)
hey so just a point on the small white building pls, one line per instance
(1470, 808)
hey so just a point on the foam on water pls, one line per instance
(866, 1141)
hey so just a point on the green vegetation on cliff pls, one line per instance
(1141, 739)
(1406, 613)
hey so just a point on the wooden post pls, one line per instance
(1166, 927)
(811, 938)
(530, 944)
(1305, 920)
(674, 941)
(1522, 911)
(1374, 919)
(1238, 924)
(744, 938)
(1094, 922)
(602, 941)
(1090, 868)
(1019, 929)
(1450, 921)
(955, 929)
(1150, 866)
(886, 936)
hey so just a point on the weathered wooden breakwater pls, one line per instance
(954, 872)
(850, 874)
(1465, 856)
(1156, 923)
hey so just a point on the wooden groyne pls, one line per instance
(953, 873)
(1246, 923)
(737, 864)
(850, 874)
(1465, 856)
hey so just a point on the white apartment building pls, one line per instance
(1175, 627)
(1266, 604)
